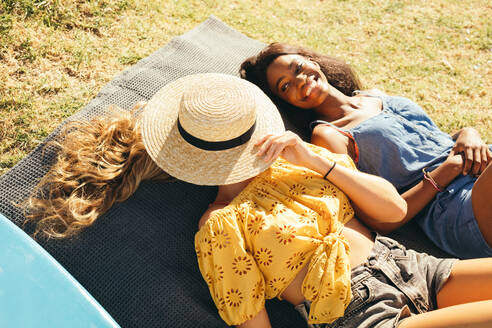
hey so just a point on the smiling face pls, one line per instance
(297, 80)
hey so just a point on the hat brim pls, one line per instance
(178, 158)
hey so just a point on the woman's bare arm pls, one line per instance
(416, 198)
(376, 200)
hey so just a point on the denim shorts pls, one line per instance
(391, 285)
(451, 224)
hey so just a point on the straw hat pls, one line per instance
(202, 128)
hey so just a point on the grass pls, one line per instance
(55, 55)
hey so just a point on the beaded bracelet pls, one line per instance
(431, 180)
(329, 171)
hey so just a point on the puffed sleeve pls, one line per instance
(230, 271)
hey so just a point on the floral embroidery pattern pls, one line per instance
(277, 208)
(306, 219)
(219, 272)
(269, 181)
(241, 265)
(313, 215)
(253, 205)
(349, 213)
(208, 279)
(219, 302)
(307, 175)
(326, 191)
(248, 204)
(341, 294)
(207, 247)
(247, 317)
(241, 212)
(233, 297)
(325, 314)
(344, 207)
(296, 261)
(297, 189)
(310, 290)
(221, 239)
(264, 256)
(258, 290)
(327, 294)
(256, 225)
(285, 234)
(276, 284)
(339, 266)
(262, 192)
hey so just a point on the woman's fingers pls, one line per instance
(272, 149)
(468, 161)
(477, 162)
(287, 145)
(274, 152)
(262, 140)
(279, 145)
(264, 144)
(483, 155)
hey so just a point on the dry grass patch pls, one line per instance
(55, 55)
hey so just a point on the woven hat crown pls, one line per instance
(218, 110)
(203, 128)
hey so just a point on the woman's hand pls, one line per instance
(448, 170)
(288, 145)
(454, 162)
(475, 151)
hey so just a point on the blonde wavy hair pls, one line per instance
(99, 162)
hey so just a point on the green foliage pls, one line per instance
(25, 52)
(129, 60)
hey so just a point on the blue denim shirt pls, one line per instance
(396, 144)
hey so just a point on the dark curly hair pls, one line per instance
(338, 73)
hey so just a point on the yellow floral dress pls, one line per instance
(285, 218)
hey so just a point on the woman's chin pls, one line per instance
(314, 100)
(308, 104)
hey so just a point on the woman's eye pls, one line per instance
(284, 87)
(299, 68)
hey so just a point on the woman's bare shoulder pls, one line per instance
(330, 138)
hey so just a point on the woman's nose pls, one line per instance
(300, 78)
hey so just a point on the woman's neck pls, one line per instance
(227, 193)
(336, 105)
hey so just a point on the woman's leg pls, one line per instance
(469, 281)
(482, 203)
(465, 300)
(469, 315)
